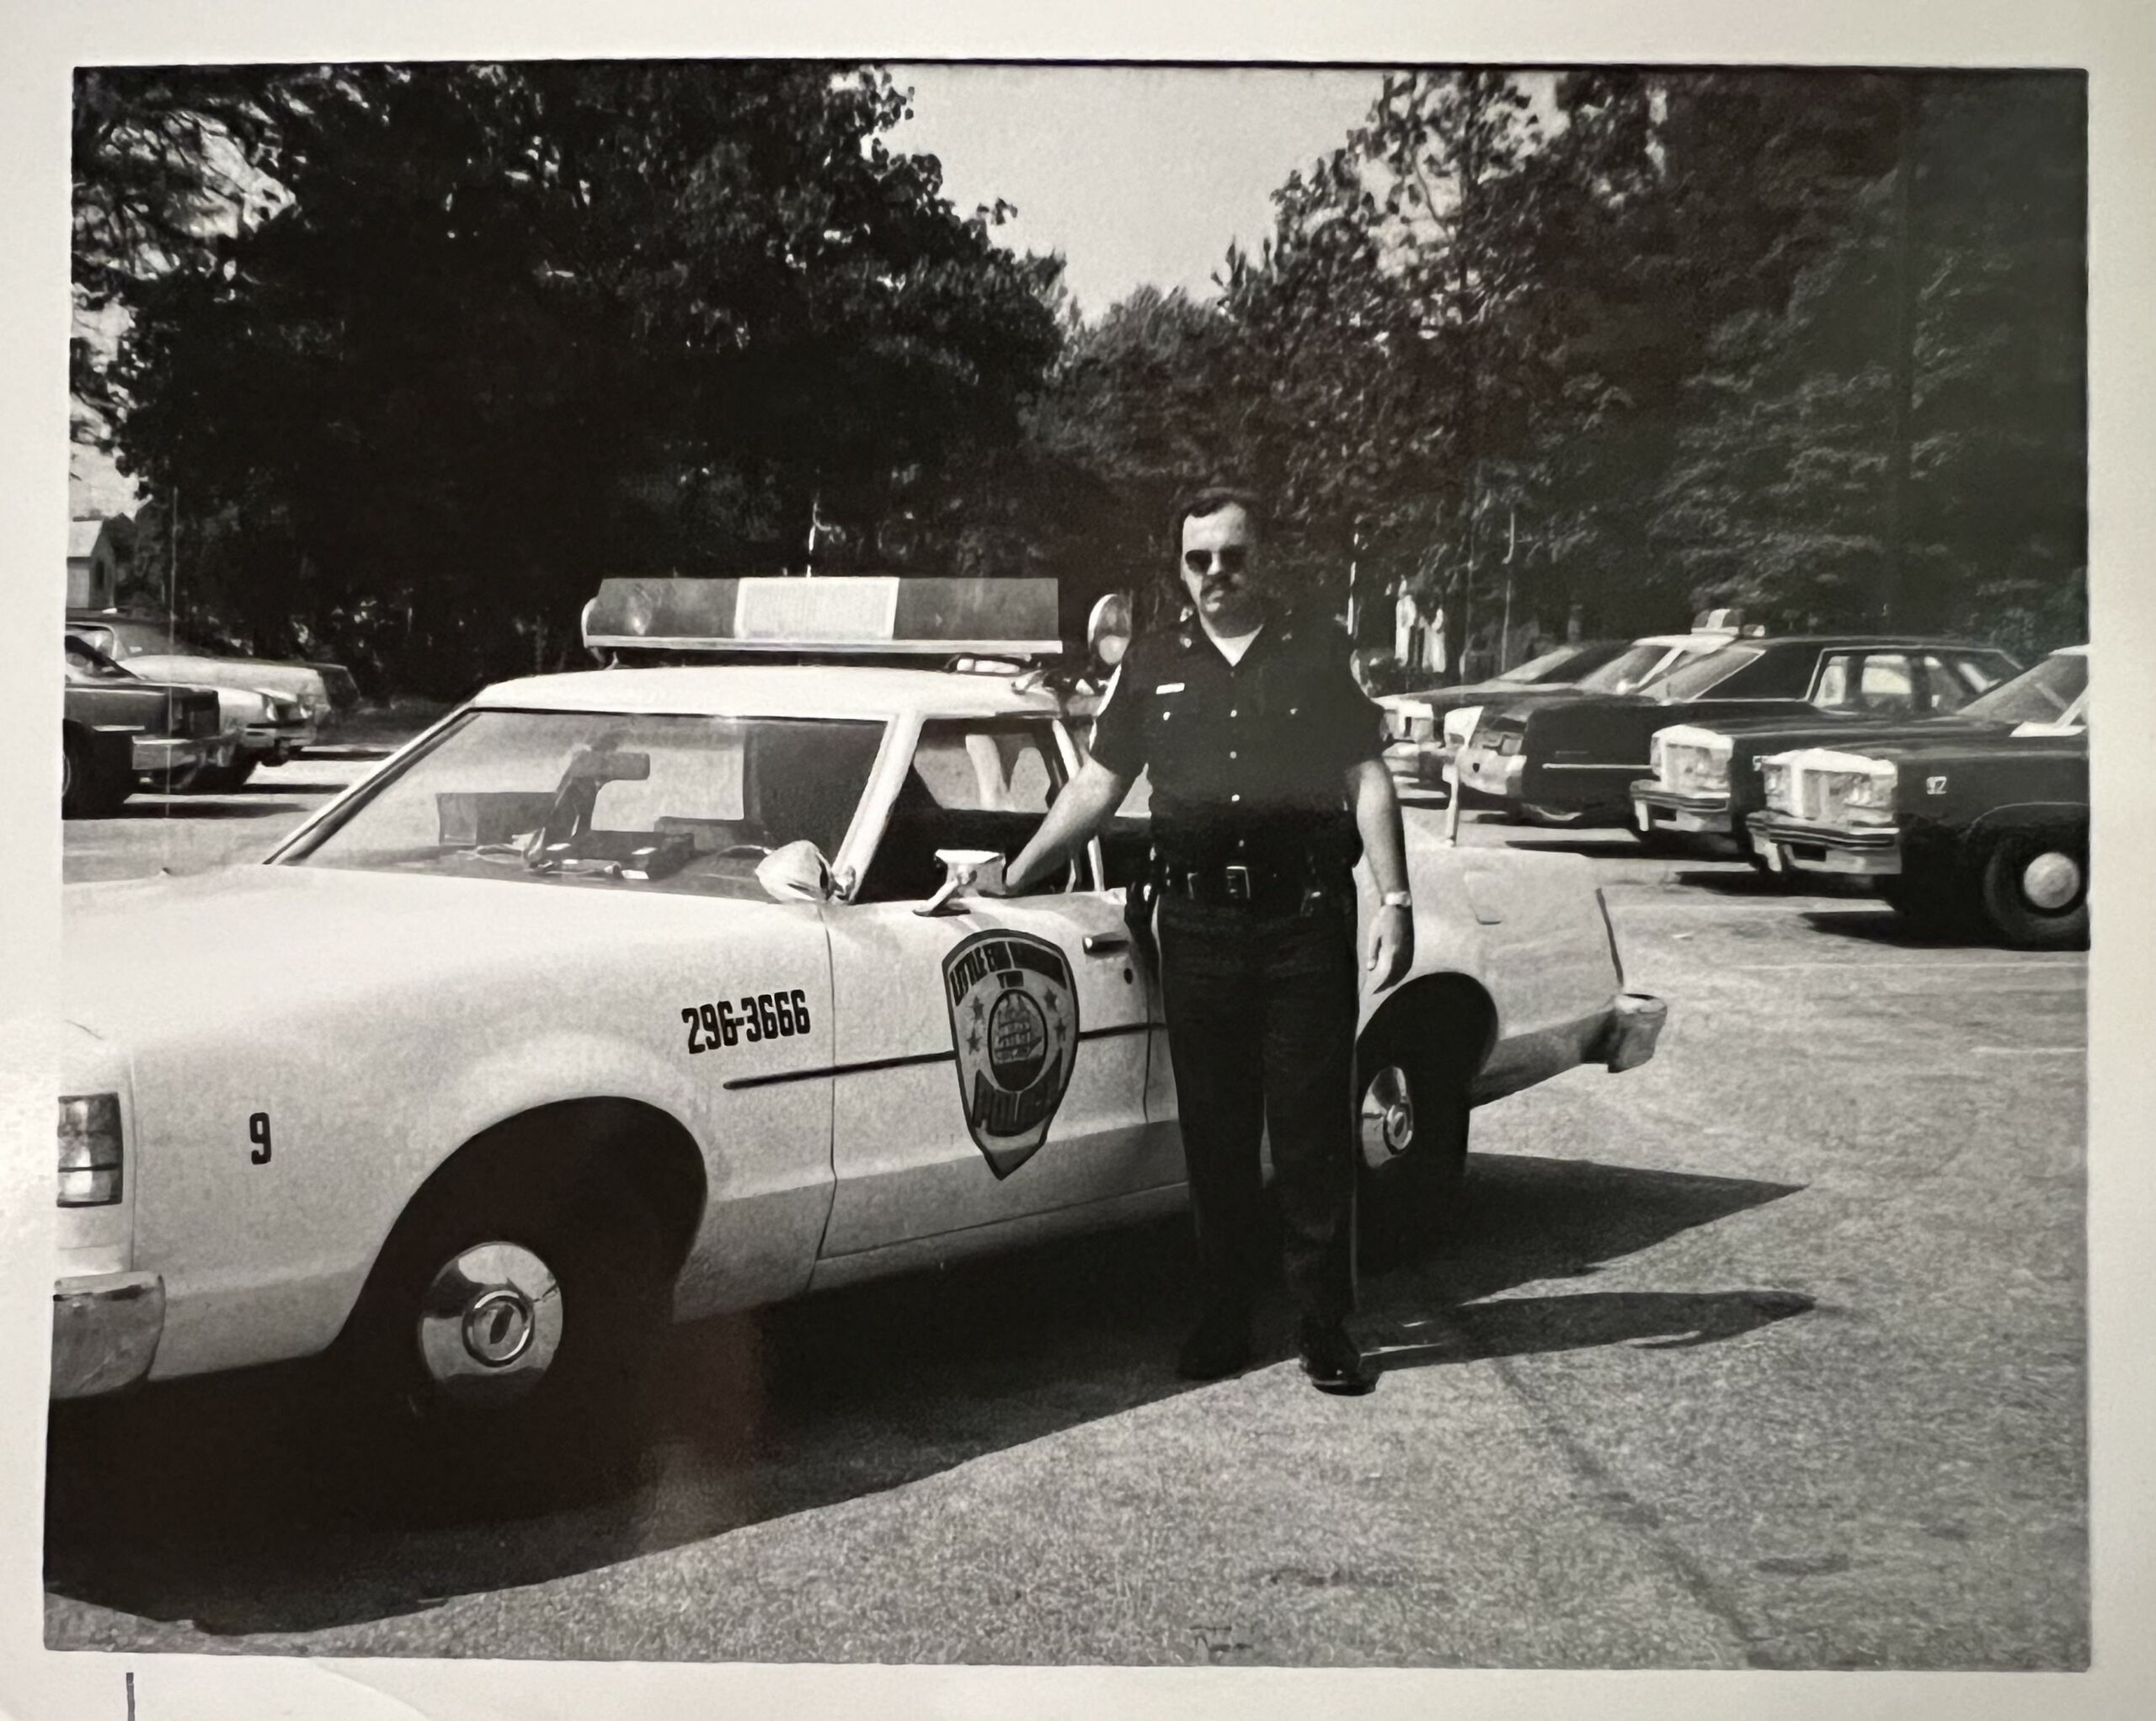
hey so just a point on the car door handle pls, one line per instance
(1100, 943)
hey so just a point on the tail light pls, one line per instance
(90, 1153)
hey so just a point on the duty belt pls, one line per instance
(1237, 884)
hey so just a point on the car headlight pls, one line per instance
(90, 1153)
(1870, 791)
(1779, 780)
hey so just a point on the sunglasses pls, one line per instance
(1230, 560)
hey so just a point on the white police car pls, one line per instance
(645, 988)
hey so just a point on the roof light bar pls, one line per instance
(875, 615)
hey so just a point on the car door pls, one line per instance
(991, 1062)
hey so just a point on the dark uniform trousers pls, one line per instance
(1261, 1011)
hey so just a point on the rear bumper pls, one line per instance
(1493, 773)
(106, 1329)
(1786, 843)
(1657, 808)
(1633, 1027)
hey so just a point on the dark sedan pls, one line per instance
(1984, 827)
(1574, 762)
(1707, 779)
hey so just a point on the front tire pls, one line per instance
(505, 1338)
(2035, 890)
(1411, 1118)
(86, 792)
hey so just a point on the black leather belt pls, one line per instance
(1235, 885)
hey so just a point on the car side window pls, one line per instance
(1885, 684)
(1952, 682)
(971, 785)
(1832, 692)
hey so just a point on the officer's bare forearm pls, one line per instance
(1086, 803)
(1377, 818)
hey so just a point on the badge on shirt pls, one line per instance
(1169, 687)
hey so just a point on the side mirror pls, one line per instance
(796, 873)
(977, 870)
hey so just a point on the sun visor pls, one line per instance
(841, 615)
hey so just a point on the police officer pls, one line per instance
(1267, 778)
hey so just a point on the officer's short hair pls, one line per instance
(1211, 500)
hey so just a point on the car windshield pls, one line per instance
(131, 639)
(671, 803)
(1542, 668)
(85, 663)
(1694, 676)
(1637, 666)
(2042, 694)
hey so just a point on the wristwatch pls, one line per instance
(1396, 899)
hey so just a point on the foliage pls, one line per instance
(514, 328)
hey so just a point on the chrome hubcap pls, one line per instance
(2050, 882)
(491, 1323)
(1388, 1117)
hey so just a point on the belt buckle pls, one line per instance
(1234, 879)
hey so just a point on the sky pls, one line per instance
(1136, 174)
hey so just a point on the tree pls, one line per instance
(510, 329)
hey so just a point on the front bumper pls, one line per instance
(1657, 808)
(1493, 773)
(1786, 843)
(281, 740)
(1421, 763)
(177, 753)
(106, 1329)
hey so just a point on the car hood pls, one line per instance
(292, 680)
(257, 947)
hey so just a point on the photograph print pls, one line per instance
(1037, 864)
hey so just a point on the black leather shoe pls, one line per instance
(1333, 1362)
(1218, 1346)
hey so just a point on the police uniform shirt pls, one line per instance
(1248, 760)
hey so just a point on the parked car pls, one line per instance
(116, 727)
(1982, 828)
(153, 648)
(265, 729)
(1415, 737)
(1636, 664)
(1574, 763)
(1707, 780)
(665, 988)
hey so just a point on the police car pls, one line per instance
(662, 990)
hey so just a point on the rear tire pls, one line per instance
(1412, 1123)
(2035, 890)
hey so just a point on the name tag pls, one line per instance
(1169, 687)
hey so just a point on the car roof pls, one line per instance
(1823, 641)
(775, 690)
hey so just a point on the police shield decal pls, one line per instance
(1014, 1025)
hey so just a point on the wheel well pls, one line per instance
(1453, 1010)
(572, 1141)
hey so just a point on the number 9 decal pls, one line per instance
(258, 1132)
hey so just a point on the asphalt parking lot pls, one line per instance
(1770, 1354)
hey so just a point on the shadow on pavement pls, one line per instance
(1875, 923)
(1594, 847)
(194, 807)
(1523, 1326)
(235, 1505)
